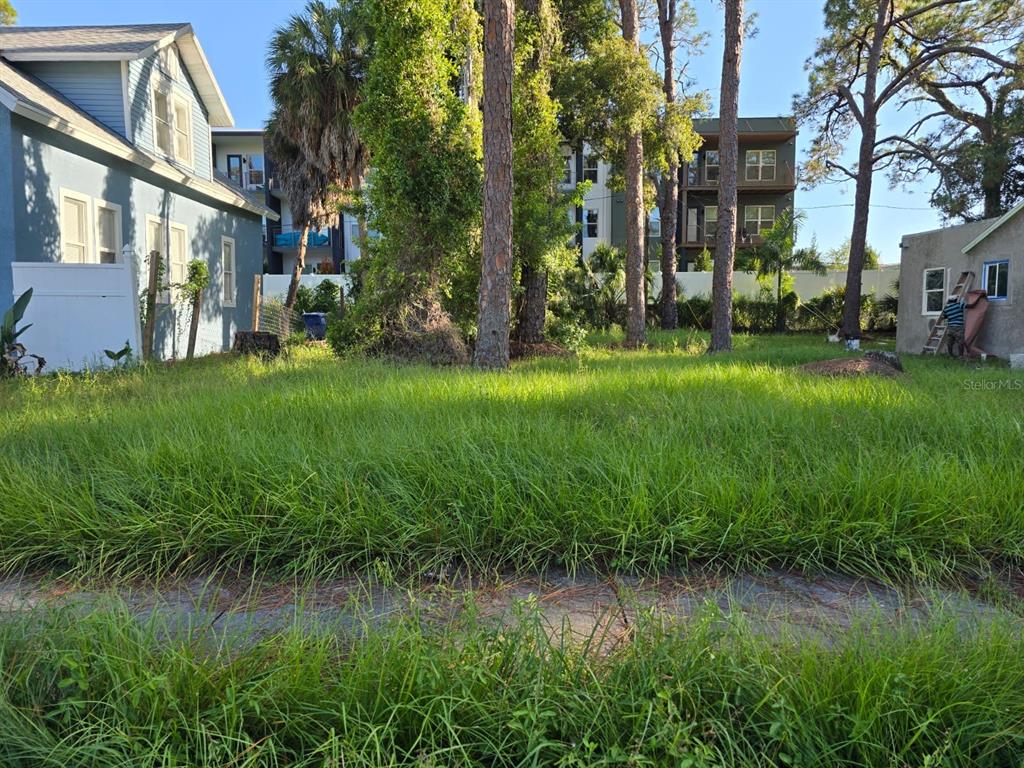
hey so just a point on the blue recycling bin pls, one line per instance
(316, 325)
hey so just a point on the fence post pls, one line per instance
(151, 289)
(257, 300)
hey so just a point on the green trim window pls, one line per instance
(760, 165)
(711, 166)
(758, 219)
(995, 277)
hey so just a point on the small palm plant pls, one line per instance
(12, 352)
(776, 257)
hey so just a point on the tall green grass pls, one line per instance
(107, 690)
(637, 461)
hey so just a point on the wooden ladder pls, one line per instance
(938, 332)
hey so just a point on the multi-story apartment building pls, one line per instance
(767, 183)
(239, 158)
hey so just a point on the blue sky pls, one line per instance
(234, 34)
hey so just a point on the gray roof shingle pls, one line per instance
(123, 39)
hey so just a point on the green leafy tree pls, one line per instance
(973, 132)
(776, 257)
(7, 13)
(318, 62)
(871, 54)
(197, 279)
(424, 191)
(541, 225)
(839, 257)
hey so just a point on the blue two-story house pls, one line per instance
(105, 158)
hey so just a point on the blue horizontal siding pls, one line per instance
(140, 78)
(93, 86)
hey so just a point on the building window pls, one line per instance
(182, 131)
(567, 171)
(760, 164)
(711, 166)
(692, 174)
(353, 231)
(162, 118)
(255, 170)
(234, 169)
(156, 240)
(227, 257)
(178, 261)
(108, 232)
(590, 169)
(74, 227)
(996, 277)
(654, 224)
(934, 296)
(591, 223)
(757, 219)
(710, 221)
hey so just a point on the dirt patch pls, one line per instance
(851, 366)
(519, 350)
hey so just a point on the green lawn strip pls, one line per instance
(637, 461)
(107, 689)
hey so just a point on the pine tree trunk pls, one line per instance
(669, 201)
(533, 310)
(868, 119)
(493, 311)
(728, 148)
(300, 264)
(636, 309)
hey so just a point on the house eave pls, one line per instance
(141, 159)
(998, 223)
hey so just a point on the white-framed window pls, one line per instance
(156, 240)
(995, 276)
(590, 169)
(172, 124)
(182, 130)
(933, 296)
(177, 263)
(591, 223)
(353, 231)
(74, 227)
(760, 165)
(567, 170)
(711, 166)
(162, 120)
(710, 221)
(757, 219)
(108, 232)
(227, 257)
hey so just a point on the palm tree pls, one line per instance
(776, 256)
(317, 64)
(725, 251)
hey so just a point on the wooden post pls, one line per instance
(151, 289)
(257, 300)
(193, 329)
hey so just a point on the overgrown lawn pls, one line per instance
(638, 461)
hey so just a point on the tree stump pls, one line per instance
(260, 343)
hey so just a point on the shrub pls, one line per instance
(325, 297)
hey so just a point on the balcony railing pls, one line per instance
(288, 238)
(700, 236)
(698, 177)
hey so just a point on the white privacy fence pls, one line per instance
(876, 282)
(77, 311)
